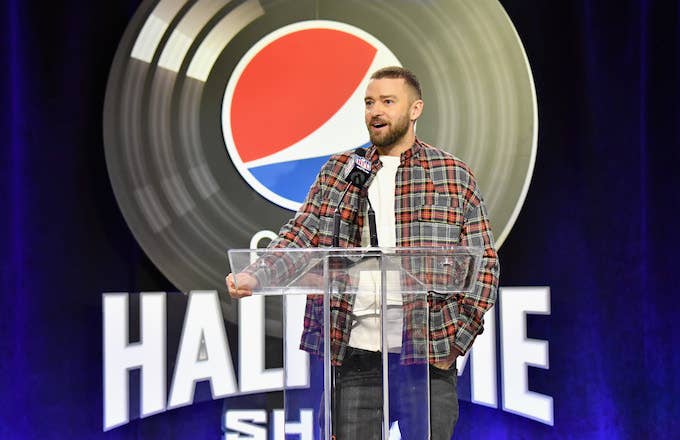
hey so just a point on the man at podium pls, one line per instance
(422, 197)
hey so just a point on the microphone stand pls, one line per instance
(334, 262)
(372, 228)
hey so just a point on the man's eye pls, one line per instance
(388, 101)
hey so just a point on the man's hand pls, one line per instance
(445, 364)
(245, 282)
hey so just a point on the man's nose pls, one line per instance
(376, 110)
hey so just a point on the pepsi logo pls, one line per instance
(294, 99)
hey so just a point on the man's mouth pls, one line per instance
(378, 124)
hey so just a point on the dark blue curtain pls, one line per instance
(599, 224)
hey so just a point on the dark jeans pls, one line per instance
(359, 399)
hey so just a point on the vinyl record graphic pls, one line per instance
(218, 114)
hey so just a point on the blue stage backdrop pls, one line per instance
(90, 112)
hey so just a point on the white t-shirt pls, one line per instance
(366, 332)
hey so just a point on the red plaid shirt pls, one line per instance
(438, 204)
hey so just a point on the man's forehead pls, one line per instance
(386, 86)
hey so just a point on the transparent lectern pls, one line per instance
(359, 300)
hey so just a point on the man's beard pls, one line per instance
(393, 135)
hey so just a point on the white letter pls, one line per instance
(120, 356)
(255, 241)
(237, 421)
(483, 370)
(203, 352)
(304, 427)
(518, 352)
(296, 361)
(252, 374)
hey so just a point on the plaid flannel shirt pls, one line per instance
(437, 204)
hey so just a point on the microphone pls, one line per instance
(358, 175)
(359, 171)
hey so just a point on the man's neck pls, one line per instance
(398, 147)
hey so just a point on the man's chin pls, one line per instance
(381, 141)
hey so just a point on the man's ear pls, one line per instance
(416, 109)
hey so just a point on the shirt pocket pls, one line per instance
(349, 229)
(438, 225)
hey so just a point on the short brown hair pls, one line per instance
(395, 72)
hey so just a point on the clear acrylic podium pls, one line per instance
(372, 299)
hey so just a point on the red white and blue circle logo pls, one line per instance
(295, 98)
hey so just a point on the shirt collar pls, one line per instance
(374, 157)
